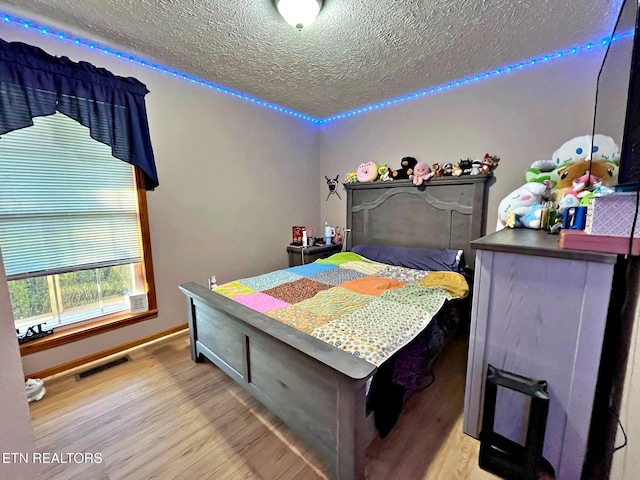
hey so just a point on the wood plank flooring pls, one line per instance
(162, 416)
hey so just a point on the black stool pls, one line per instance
(500, 455)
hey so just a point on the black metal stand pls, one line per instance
(503, 456)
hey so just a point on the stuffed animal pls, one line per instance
(384, 174)
(522, 202)
(367, 172)
(447, 169)
(543, 170)
(457, 170)
(584, 148)
(570, 173)
(476, 165)
(605, 169)
(489, 163)
(576, 150)
(465, 166)
(436, 168)
(351, 177)
(407, 164)
(580, 188)
(532, 218)
(421, 173)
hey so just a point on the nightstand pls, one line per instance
(311, 254)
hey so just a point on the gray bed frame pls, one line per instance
(320, 391)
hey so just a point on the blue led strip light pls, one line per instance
(6, 18)
(475, 78)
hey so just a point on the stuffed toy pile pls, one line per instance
(420, 172)
(369, 172)
(565, 180)
(467, 166)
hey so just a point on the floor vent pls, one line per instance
(103, 367)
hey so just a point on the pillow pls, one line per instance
(433, 259)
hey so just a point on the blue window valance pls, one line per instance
(34, 83)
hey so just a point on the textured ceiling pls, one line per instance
(356, 53)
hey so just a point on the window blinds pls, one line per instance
(66, 204)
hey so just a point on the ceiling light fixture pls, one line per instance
(299, 13)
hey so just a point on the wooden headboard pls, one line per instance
(446, 212)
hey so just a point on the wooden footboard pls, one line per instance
(316, 389)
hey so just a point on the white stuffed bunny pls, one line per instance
(521, 202)
(581, 149)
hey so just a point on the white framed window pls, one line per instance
(70, 229)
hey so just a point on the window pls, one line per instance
(72, 226)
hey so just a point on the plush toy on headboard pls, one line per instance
(476, 166)
(351, 177)
(407, 164)
(421, 173)
(436, 168)
(367, 172)
(384, 174)
(489, 163)
(447, 169)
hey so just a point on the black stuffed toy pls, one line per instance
(465, 166)
(407, 164)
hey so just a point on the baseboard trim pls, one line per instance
(106, 353)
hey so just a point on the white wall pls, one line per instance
(522, 116)
(234, 178)
(16, 435)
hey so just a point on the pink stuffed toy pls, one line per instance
(421, 173)
(367, 172)
(579, 189)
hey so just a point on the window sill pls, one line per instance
(100, 325)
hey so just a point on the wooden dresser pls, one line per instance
(539, 311)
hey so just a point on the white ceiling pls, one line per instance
(356, 53)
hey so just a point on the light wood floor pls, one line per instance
(163, 416)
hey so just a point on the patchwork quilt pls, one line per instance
(366, 308)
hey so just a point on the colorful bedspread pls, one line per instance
(366, 308)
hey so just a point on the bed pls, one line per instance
(319, 390)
